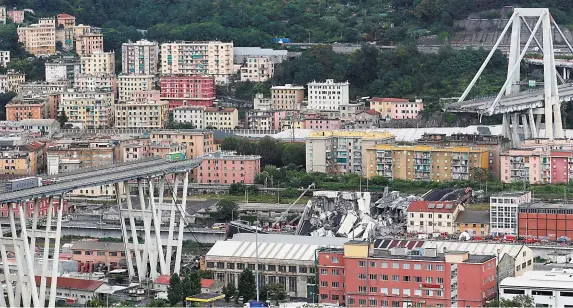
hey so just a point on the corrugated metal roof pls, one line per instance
(477, 248)
(273, 246)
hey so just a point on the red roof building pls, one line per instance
(78, 291)
(432, 216)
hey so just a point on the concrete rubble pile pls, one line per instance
(353, 215)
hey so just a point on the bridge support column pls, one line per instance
(515, 141)
(526, 131)
(505, 127)
(532, 124)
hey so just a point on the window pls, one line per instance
(439, 293)
(406, 278)
(439, 280)
(362, 289)
(395, 265)
(439, 268)
(395, 291)
(429, 293)
(230, 265)
(292, 269)
(542, 293)
(324, 296)
(384, 265)
(324, 271)
(373, 290)
(417, 266)
(350, 300)
(384, 303)
(334, 259)
(384, 291)
(361, 263)
(395, 278)
(362, 276)
(429, 267)
(336, 284)
(335, 297)
(88, 253)
(418, 292)
(373, 276)
(324, 283)
(272, 268)
(362, 302)
(79, 252)
(417, 279)
(241, 266)
(429, 280)
(335, 272)
(406, 266)
(395, 304)
(301, 269)
(406, 292)
(373, 302)
(566, 294)
(384, 277)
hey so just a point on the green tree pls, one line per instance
(62, 118)
(5, 98)
(276, 292)
(247, 287)
(157, 303)
(270, 151)
(175, 292)
(95, 302)
(191, 284)
(227, 210)
(229, 290)
(517, 301)
(294, 153)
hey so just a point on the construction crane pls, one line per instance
(283, 216)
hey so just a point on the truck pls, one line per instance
(174, 156)
(22, 183)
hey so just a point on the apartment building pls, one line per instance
(3, 14)
(43, 88)
(143, 147)
(328, 95)
(257, 69)
(44, 127)
(504, 208)
(494, 144)
(194, 90)
(260, 102)
(38, 39)
(4, 58)
(28, 207)
(361, 275)
(197, 58)
(65, 20)
(21, 108)
(17, 16)
(91, 153)
(93, 252)
(197, 143)
(147, 114)
(127, 84)
(65, 36)
(341, 151)
(96, 82)
(63, 69)
(259, 119)
(537, 165)
(287, 97)
(22, 158)
(427, 217)
(228, 168)
(475, 223)
(396, 108)
(365, 119)
(348, 112)
(89, 43)
(427, 163)
(11, 81)
(221, 118)
(92, 109)
(140, 58)
(190, 114)
(99, 62)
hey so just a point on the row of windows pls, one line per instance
(417, 266)
(385, 277)
(261, 267)
(99, 253)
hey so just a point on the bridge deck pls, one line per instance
(514, 102)
(89, 179)
(106, 169)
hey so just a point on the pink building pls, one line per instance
(228, 168)
(143, 96)
(536, 166)
(194, 90)
(91, 252)
(327, 124)
(16, 16)
(396, 108)
(43, 208)
(143, 148)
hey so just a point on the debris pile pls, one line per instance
(353, 215)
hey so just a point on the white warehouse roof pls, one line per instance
(273, 246)
(479, 248)
(555, 279)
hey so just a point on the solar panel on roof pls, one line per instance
(439, 205)
(448, 206)
(431, 206)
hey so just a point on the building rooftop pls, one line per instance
(432, 206)
(343, 133)
(230, 155)
(509, 194)
(258, 51)
(479, 217)
(89, 245)
(215, 109)
(479, 248)
(552, 280)
(543, 205)
(390, 100)
(287, 87)
(73, 283)
(418, 255)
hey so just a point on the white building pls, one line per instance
(257, 69)
(197, 58)
(140, 58)
(504, 208)
(190, 114)
(78, 290)
(242, 53)
(63, 70)
(260, 102)
(547, 288)
(328, 95)
(427, 217)
(4, 58)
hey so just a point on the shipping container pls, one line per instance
(175, 156)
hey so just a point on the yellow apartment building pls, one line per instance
(197, 143)
(143, 114)
(423, 162)
(127, 84)
(99, 62)
(38, 39)
(287, 97)
(197, 58)
(89, 43)
(341, 151)
(221, 118)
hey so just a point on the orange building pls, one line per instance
(89, 43)
(109, 254)
(30, 110)
(66, 20)
(197, 143)
(542, 220)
